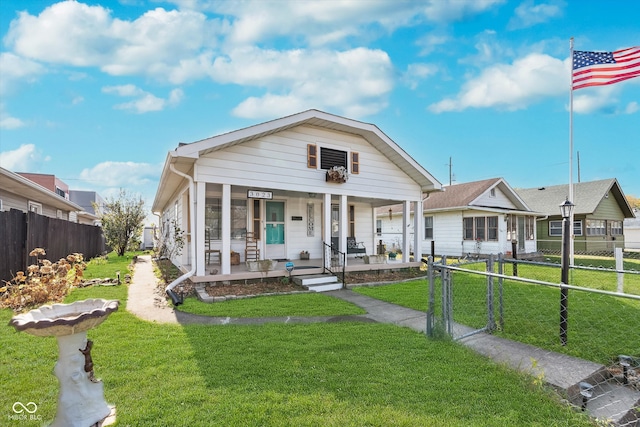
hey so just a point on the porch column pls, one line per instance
(225, 230)
(197, 229)
(344, 225)
(406, 241)
(418, 219)
(326, 227)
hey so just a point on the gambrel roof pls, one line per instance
(587, 196)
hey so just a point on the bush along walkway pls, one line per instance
(604, 401)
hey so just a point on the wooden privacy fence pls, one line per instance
(22, 232)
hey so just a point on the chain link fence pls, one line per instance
(521, 301)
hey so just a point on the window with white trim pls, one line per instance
(35, 207)
(615, 228)
(428, 227)
(596, 227)
(529, 228)
(555, 228)
(480, 228)
(492, 228)
(577, 228)
(213, 218)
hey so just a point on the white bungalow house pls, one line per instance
(474, 218)
(284, 190)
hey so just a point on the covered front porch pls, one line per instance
(300, 268)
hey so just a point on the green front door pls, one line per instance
(275, 232)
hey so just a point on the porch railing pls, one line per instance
(333, 262)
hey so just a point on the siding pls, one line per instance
(499, 201)
(447, 233)
(279, 161)
(12, 201)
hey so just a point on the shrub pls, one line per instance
(44, 282)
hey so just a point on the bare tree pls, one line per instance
(123, 221)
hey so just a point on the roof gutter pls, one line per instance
(175, 298)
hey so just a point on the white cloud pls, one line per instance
(22, 159)
(7, 121)
(356, 80)
(601, 99)
(489, 50)
(418, 72)
(510, 86)
(185, 45)
(529, 14)
(122, 174)
(453, 10)
(320, 22)
(145, 101)
(14, 69)
(73, 33)
(431, 42)
(631, 108)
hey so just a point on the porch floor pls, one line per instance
(301, 267)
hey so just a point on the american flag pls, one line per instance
(605, 68)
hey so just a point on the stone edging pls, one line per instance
(203, 296)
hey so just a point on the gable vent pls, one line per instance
(330, 158)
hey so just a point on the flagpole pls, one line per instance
(571, 147)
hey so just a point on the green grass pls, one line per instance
(600, 327)
(99, 268)
(326, 374)
(273, 306)
(603, 280)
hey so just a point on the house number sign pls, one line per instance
(255, 194)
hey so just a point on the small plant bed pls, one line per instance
(257, 288)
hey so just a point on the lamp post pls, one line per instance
(566, 209)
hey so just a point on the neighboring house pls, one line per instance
(598, 217)
(148, 240)
(50, 182)
(282, 187)
(632, 231)
(476, 218)
(90, 201)
(19, 192)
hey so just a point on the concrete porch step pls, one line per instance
(318, 282)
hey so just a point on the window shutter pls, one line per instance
(312, 156)
(355, 163)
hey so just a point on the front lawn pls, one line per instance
(325, 374)
(600, 326)
(308, 304)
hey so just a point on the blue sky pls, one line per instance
(97, 93)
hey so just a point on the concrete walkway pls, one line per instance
(563, 372)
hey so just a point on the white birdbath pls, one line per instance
(81, 399)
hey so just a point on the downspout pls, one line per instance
(175, 298)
